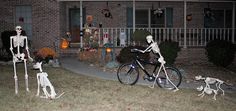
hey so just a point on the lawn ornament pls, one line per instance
(122, 38)
(207, 89)
(43, 81)
(155, 49)
(18, 42)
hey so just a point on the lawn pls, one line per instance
(84, 93)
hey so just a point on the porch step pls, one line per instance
(69, 52)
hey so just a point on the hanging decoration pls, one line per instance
(106, 12)
(208, 12)
(159, 12)
(189, 17)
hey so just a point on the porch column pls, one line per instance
(81, 24)
(233, 23)
(185, 24)
(133, 15)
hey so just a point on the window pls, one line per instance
(142, 18)
(218, 19)
(23, 18)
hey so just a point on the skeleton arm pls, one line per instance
(148, 49)
(11, 48)
(27, 49)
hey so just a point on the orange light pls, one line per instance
(64, 44)
(108, 50)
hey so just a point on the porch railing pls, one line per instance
(195, 37)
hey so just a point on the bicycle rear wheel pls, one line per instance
(128, 74)
(174, 75)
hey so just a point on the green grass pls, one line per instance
(92, 94)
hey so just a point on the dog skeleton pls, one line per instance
(43, 81)
(207, 89)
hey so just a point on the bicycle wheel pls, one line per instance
(128, 74)
(174, 75)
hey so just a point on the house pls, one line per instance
(192, 23)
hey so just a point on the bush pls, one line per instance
(139, 36)
(169, 51)
(45, 54)
(126, 56)
(220, 52)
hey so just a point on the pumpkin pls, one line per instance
(64, 44)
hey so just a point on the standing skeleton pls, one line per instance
(18, 41)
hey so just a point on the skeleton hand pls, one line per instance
(30, 59)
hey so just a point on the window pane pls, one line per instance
(158, 20)
(141, 18)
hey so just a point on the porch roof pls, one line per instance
(160, 0)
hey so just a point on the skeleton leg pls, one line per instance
(223, 92)
(47, 95)
(26, 77)
(38, 81)
(15, 77)
(214, 97)
(201, 94)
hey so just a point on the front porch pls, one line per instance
(79, 16)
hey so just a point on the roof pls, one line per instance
(160, 0)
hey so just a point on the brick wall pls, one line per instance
(45, 19)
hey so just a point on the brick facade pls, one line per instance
(45, 19)
(50, 18)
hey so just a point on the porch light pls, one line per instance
(108, 49)
(64, 44)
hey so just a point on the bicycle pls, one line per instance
(166, 77)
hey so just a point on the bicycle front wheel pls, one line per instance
(128, 74)
(174, 76)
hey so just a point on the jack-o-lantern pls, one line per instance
(64, 44)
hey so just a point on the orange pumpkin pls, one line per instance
(64, 44)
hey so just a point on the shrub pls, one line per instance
(220, 52)
(139, 36)
(169, 51)
(126, 56)
(45, 54)
(4, 55)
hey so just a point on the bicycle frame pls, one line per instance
(139, 62)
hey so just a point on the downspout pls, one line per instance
(81, 24)
(233, 23)
(185, 24)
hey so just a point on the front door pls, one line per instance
(74, 20)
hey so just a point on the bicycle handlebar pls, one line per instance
(135, 50)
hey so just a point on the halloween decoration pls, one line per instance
(159, 12)
(207, 89)
(43, 81)
(189, 17)
(106, 12)
(17, 42)
(64, 44)
(153, 46)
